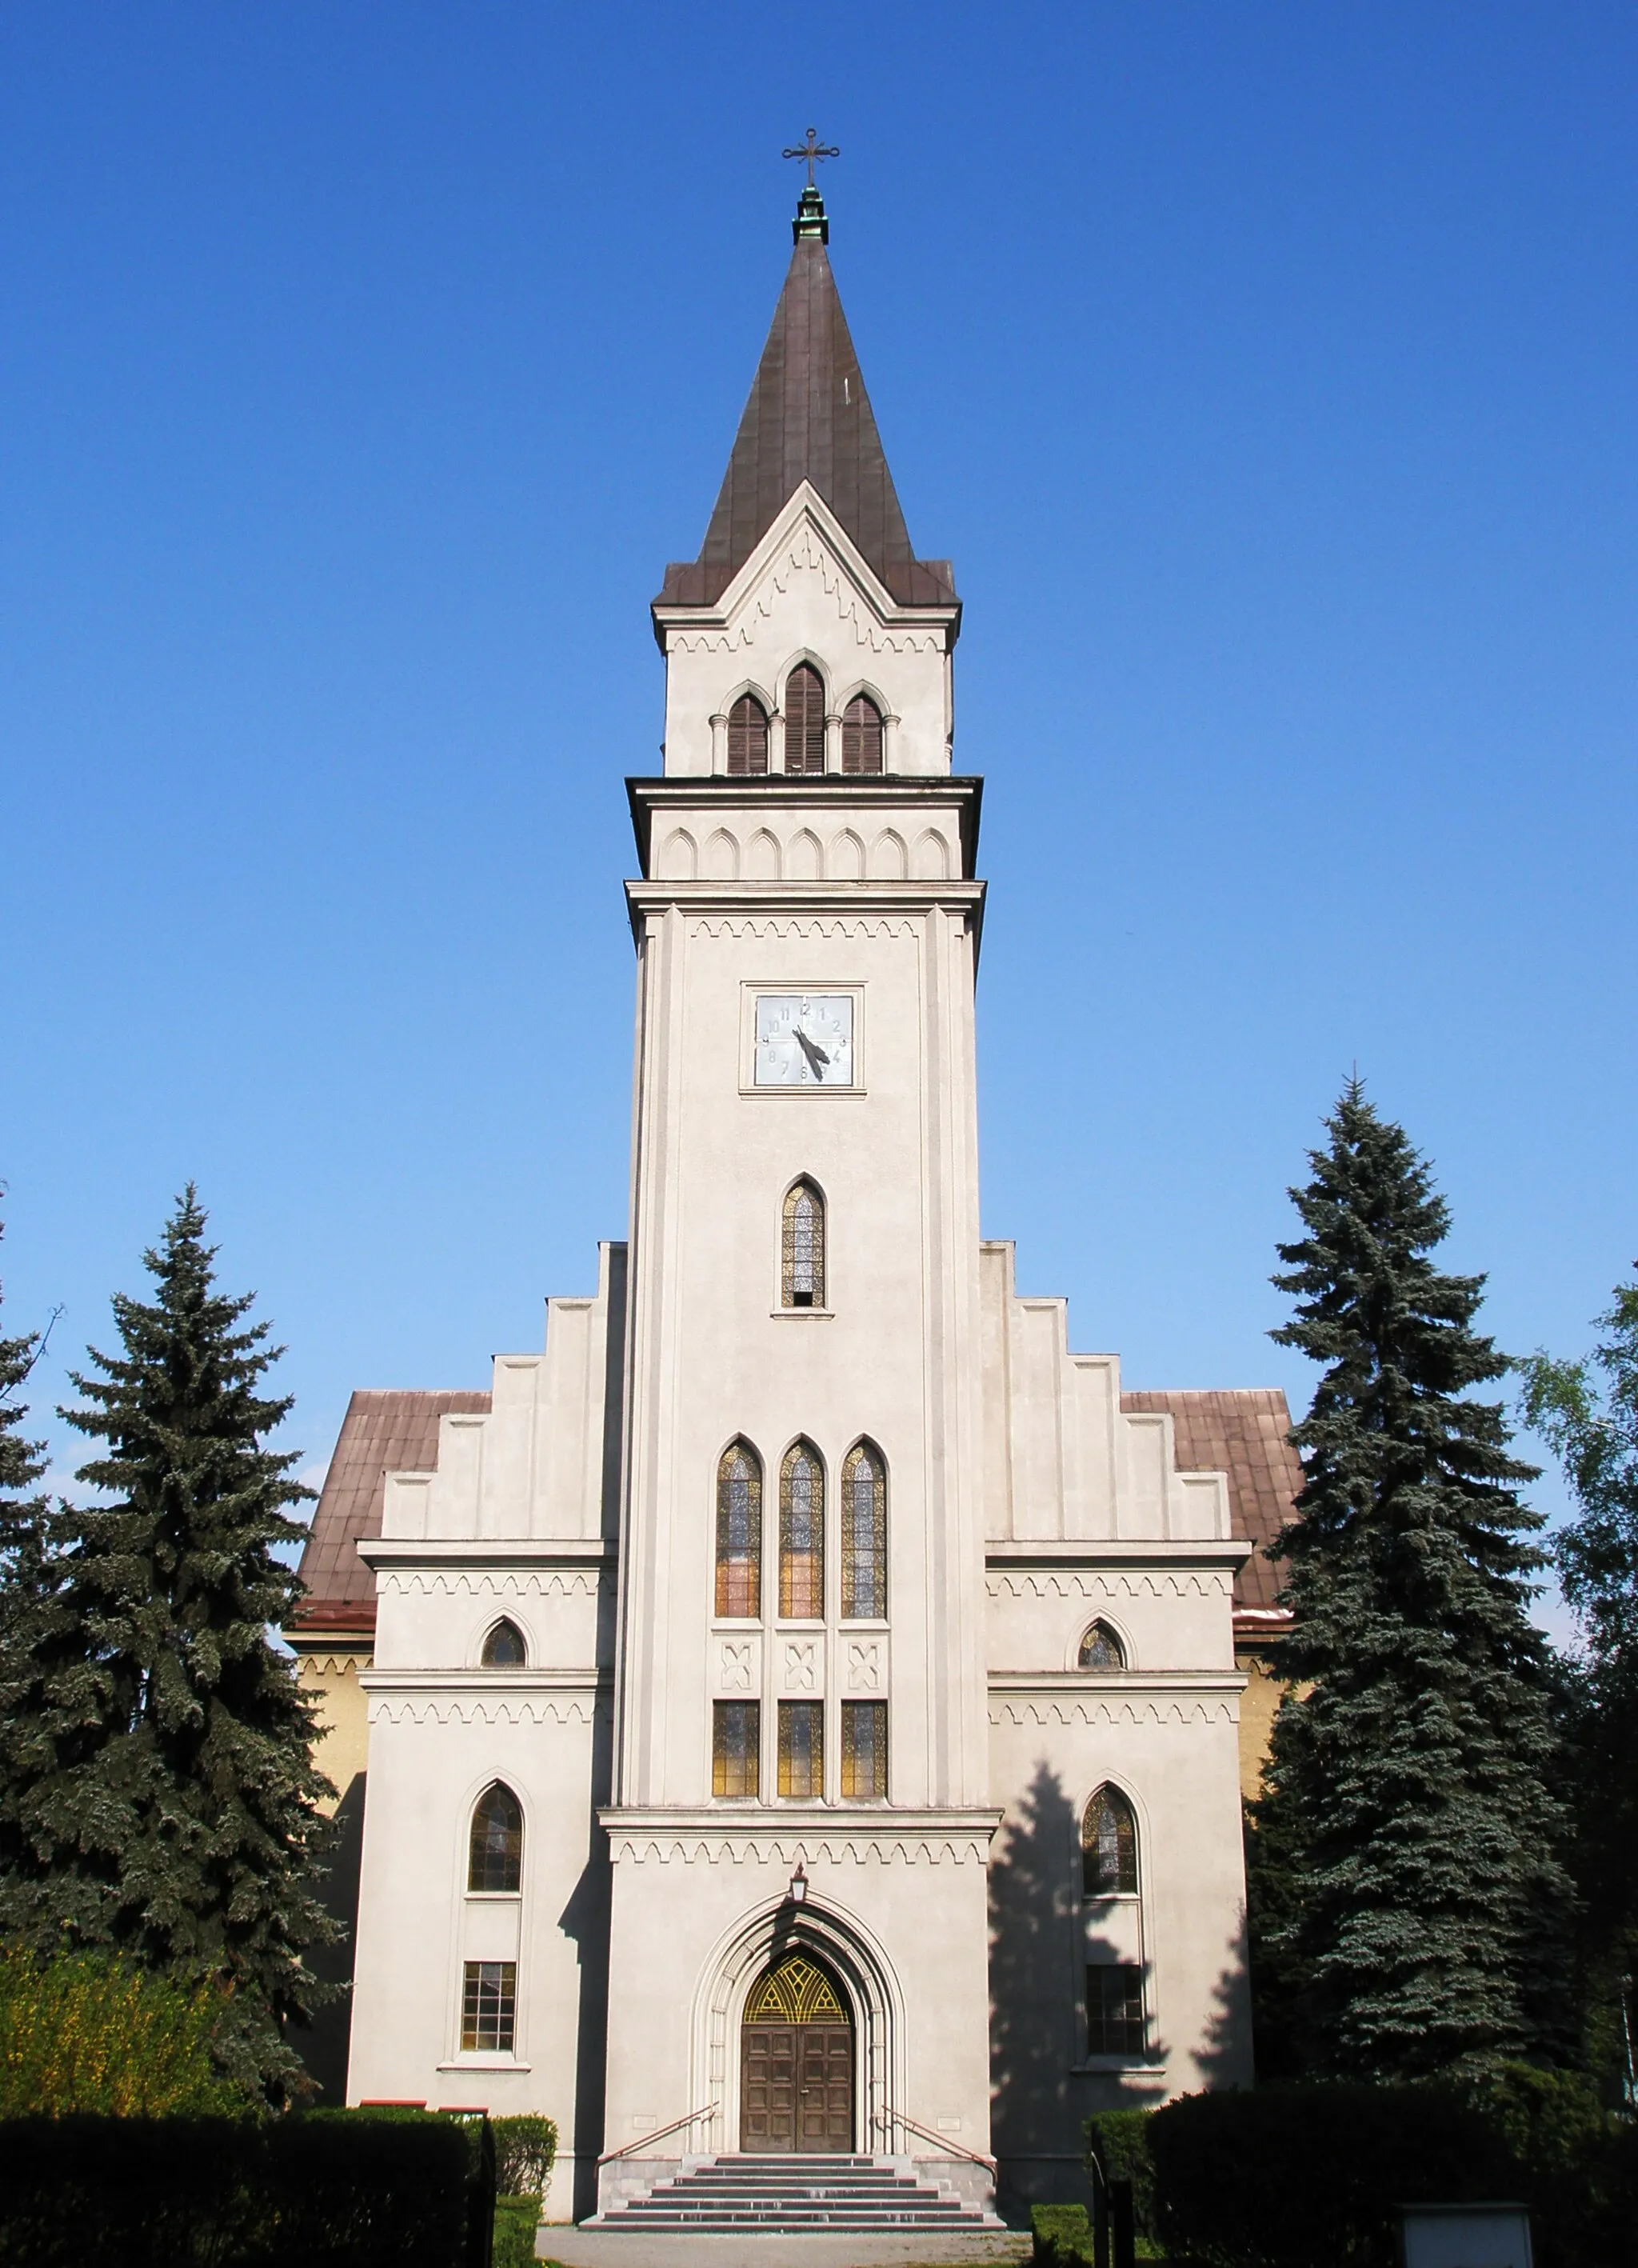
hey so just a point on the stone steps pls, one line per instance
(814, 2192)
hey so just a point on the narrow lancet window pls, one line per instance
(1108, 1846)
(804, 720)
(504, 1648)
(864, 1534)
(739, 1534)
(495, 1855)
(802, 1242)
(802, 1535)
(747, 738)
(860, 735)
(1101, 1649)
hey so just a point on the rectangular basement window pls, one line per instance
(489, 2007)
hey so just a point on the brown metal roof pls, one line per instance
(808, 418)
(1244, 1433)
(383, 1431)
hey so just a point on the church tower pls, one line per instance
(800, 1688)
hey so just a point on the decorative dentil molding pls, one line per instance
(483, 1709)
(1085, 1583)
(779, 1854)
(842, 928)
(500, 1583)
(1109, 1710)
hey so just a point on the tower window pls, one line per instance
(860, 735)
(802, 1248)
(802, 1535)
(863, 1535)
(1101, 1649)
(489, 2006)
(504, 1648)
(739, 1533)
(494, 1853)
(747, 738)
(805, 719)
(1108, 1846)
(736, 1747)
(1114, 2009)
(863, 1750)
(802, 1750)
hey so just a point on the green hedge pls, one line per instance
(1062, 2236)
(1120, 2139)
(517, 2219)
(87, 2032)
(321, 2191)
(526, 2151)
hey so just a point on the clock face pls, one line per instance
(804, 1039)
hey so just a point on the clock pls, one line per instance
(804, 1039)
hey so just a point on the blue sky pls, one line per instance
(1266, 371)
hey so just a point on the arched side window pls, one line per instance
(802, 1248)
(1108, 1846)
(802, 1535)
(495, 1855)
(1101, 1649)
(739, 1533)
(747, 738)
(504, 1648)
(805, 719)
(860, 735)
(864, 1534)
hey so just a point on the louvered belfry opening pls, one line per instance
(860, 735)
(747, 738)
(804, 720)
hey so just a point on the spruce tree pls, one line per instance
(1407, 1789)
(27, 1558)
(167, 1806)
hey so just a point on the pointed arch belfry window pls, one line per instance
(802, 1248)
(860, 735)
(504, 1648)
(739, 1533)
(747, 738)
(864, 1534)
(1101, 1649)
(494, 1852)
(1108, 1846)
(804, 720)
(802, 1535)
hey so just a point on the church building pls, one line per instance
(796, 1715)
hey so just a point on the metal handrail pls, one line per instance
(706, 2110)
(891, 2118)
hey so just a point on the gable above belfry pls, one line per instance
(808, 418)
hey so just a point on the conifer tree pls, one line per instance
(165, 1803)
(1407, 1796)
(26, 1549)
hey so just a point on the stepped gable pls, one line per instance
(808, 418)
(1246, 1434)
(384, 1431)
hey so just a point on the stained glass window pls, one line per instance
(735, 1745)
(860, 735)
(1114, 2009)
(795, 1992)
(748, 737)
(802, 1535)
(489, 2006)
(802, 1750)
(863, 1750)
(739, 1533)
(1108, 1846)
(504, 1648)
(1101, 1649)
(864, 1534)
(805, 719)
(802, 1248)
(495, 1854)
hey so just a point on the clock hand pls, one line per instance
(816, 1056)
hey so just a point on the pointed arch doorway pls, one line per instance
(795, 2060)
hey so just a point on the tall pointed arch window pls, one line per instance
(739, 1533)
(802, 1248)
(1108, 1846)
(805, 719)
(494, 1852)
(860, 735)
(864, 1534)
(747, 738)
(802, 1535)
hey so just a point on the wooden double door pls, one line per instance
(796, 2062)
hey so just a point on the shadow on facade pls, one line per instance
(585, 1918)
(322, 2045)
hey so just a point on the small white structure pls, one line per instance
(1466, 2236)
(802, 1702)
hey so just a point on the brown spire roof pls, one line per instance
(808, 418)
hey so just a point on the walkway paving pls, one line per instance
(621, 2248)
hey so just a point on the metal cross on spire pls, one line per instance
(813, 149)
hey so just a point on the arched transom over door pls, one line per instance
(795, 2060)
